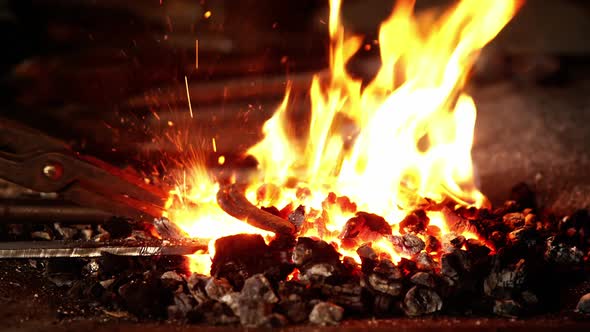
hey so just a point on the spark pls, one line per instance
(196, 53)
(214, 144)
(207, 14)
(188, 96)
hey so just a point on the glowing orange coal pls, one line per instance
(385, 144)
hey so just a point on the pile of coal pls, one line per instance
(307, 281)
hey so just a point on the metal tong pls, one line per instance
(36, 161)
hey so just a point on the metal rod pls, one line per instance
(232, 200)
(48, 212)
(55, 249)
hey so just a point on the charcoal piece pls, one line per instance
(584, 304)
(424, 262)
(290, 287)
(350, 267)
(407, 266)
(347, 295)
(326, 313)
(65, 232)
(257, 288)
(171, 279)
(281, 248)
(470, 213)
(509, 206)
(86, 234)
(101, 235)
(434, 231)
(432, 244)
(456, 223)
(524, 196)
(171, 275)
(498, 238)
(183, 308)
(217, 313)
(342, 202)
(503, 282)
(458, 241)
(415, 222)
(530, 220)
(456, 264)
(297, 217)
(368, 257)
(507, 308)
(561, 253)
(528, 237)
(421, 301)
(196, 285)
(41, 235)
(363, 227)
(387, 267)
(145, 298)
(513, 220)
(309, 251)
(118, 228)
(447, 246)
(382, 284)
(231, 299)
(295, 308)
(255, 302)
(217, 288)
(408, 244)
(253, 313)
(476, 248)
(318, 272)
(238, 257)
(423, 279)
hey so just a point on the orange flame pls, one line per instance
(405, 135)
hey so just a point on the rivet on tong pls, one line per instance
(54, 171)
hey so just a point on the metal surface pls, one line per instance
(33, 160)
(49, 211)
(54, 249)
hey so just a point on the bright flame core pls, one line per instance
(404, 136)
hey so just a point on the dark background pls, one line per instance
(94, 73)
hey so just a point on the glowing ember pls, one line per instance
(385, 145)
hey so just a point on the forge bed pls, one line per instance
(537, 134)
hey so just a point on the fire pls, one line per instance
(196, 212)
(386, 145)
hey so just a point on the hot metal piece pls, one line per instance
(36, 161)
(54, 249)
(232, 200)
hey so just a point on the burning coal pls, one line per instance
(396, 144)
